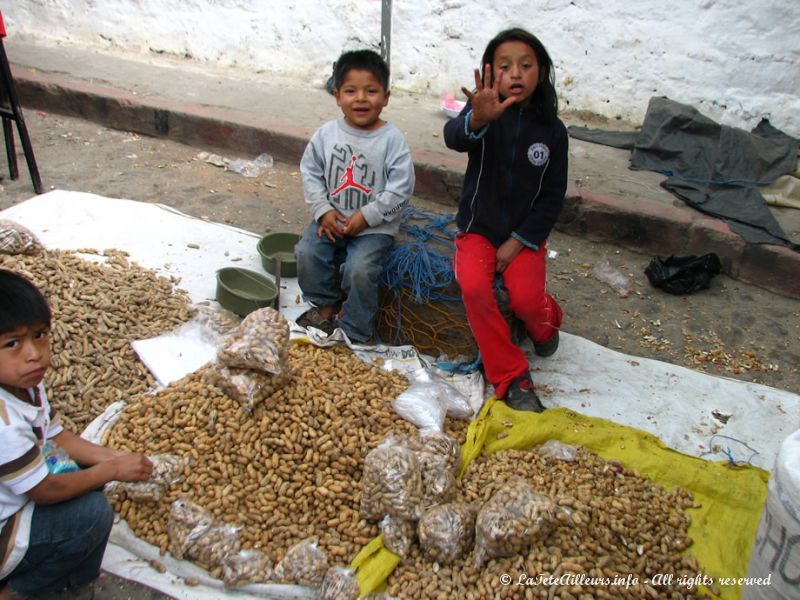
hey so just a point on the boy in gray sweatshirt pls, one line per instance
(357, 178)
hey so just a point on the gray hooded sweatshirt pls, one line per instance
(348, 169)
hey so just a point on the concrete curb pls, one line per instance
(640, 225)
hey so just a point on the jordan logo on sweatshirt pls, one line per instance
(348, 180)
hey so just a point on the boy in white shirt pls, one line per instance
(53, 527)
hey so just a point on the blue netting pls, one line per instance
(416, 264)
(424, 305)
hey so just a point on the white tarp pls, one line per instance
(674, 403)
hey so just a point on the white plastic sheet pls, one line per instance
(671, 402)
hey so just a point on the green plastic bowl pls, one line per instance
(242, 291)
(279, 245)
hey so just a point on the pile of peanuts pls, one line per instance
(620, 525)
(283, 473)
(99, 308)
(293, 470)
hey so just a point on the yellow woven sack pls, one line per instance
(731, 497)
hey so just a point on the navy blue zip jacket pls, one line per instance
(516, 176)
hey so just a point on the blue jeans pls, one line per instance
(66, 545)
(343, 273)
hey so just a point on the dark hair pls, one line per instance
(366, 60)
(21, 302)
(544, 102)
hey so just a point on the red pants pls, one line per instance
(524, 278)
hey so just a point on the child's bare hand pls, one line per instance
(132, 467)
(331, 225)
(506, 253)
(485, 100)
(355, 224)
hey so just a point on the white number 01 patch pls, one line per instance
(538, 154)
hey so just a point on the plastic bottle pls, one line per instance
(251, 168)
(57, 459)
(620, 282)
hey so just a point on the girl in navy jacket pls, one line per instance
(513, 192)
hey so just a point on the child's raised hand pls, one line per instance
(485, 100)
(331, 225)
(355, 224)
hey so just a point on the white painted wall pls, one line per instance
(735, 60)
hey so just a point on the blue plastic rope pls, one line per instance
(416, 264)
(462, 367)
(729, 452)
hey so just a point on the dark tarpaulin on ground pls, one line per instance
(714, 168)
(624, 140)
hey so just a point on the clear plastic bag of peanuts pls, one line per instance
(261, 343)
(434, 447)
(340, 583)
(194, 534)
(249, 388)
(16, 239)
(555, 450)
(184, 517)
(247, 566)
(168, 470)
(214, 324)
(210, 547)
(447, 532)
(439, 485)
(511, 520)
(439, 457)
(391, 483)
(398, 534)
(305, 563)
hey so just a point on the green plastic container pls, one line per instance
(279, 245)
(242, 291)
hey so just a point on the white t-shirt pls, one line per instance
(24, 427)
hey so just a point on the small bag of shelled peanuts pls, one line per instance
(261, 343)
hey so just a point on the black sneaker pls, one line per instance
(313, 318)
(547, 348)
(521, 396)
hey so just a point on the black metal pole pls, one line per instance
(15, 113)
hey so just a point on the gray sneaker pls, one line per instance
(521, 395)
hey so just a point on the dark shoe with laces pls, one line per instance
(521, 395)
(313, 318)
(547, 348)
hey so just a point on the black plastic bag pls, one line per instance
(683, 274)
